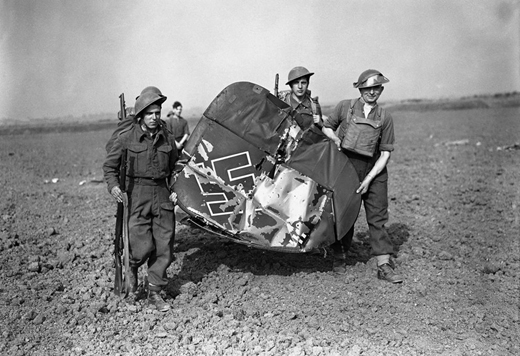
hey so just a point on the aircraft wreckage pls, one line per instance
(252, 175)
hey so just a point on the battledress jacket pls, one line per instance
(304, 109)
(147, 157)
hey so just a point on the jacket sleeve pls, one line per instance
(112, 164)
(334, 120)
(387, 134)
(175, 165)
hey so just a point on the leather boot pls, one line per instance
(155, 299)
(339, 264)
(386, 272)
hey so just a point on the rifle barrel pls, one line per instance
(276, 78)
(122, 106)
(118, 239)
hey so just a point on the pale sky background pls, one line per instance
(66, 57)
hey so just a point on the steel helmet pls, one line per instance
(146, 99)
(297, 73)
(370, 78)
(150, 89)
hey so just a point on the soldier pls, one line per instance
(122, 125)
(307, 108)
(366, 136)
(151, 159)
(177, 125)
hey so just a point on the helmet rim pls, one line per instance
(370, 78)
(297, 73)
(145, 100)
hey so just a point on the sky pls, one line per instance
(74, 57)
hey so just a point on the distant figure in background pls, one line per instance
(122, 125)
(365, 134)
(307, 108)
(177, 125)
(151, 158)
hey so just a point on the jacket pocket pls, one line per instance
(137, 160)
(163, 155)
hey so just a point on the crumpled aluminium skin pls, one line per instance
(253, 176)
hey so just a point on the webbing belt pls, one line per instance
(148, 181)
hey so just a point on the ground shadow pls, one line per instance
(360, 248)
(201, 253)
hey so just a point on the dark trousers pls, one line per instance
(375, 201)
(151, 230)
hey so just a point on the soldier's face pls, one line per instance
(370, 95)
(151, 116)
(177, 111)
(299, 87)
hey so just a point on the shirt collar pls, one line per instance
(306, 101)
(140, 133)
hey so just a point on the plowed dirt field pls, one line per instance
(454, 215)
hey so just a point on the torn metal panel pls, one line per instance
(284, 210)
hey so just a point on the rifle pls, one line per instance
(276, 85)
(316, 107)
(121, 231)
(126, 246)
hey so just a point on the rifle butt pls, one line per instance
(126, 246)
(118, 279)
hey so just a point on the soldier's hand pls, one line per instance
(363, 187)
(338, 144)
(117, 194)
(173, 197)
(316, 118)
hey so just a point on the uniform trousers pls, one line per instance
(151, 228)
(375, 201)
